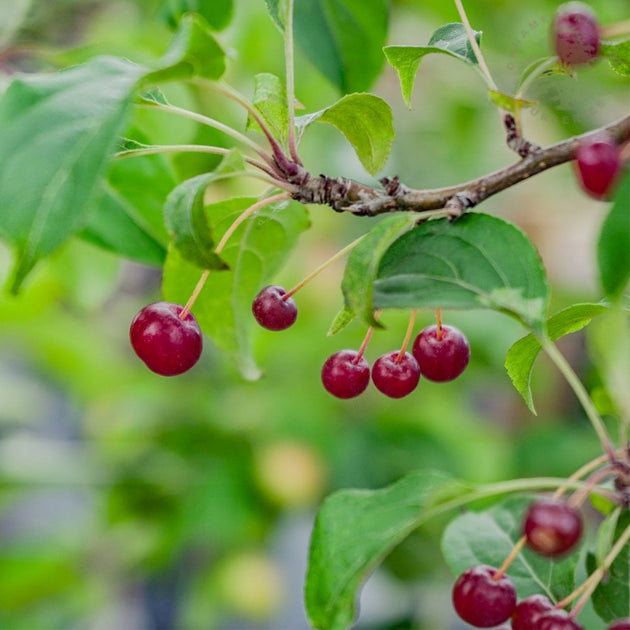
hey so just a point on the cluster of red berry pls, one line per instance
(577, 42)
(486, 597)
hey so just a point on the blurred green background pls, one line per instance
(130, 501)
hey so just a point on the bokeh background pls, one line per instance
(133, 502)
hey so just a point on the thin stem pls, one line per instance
(323, 266)
(290, 81)
(438, 317)
(540, 70)
(584, 470)
(366, 340)
(596, 577)
(193, 296)
(211, 122)
(246, 213)
(582, 395)
(518, 547)
(407, 339)
(475, 46)
(615, 30)
(579, 496)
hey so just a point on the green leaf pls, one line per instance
(56, 133)
(509, 103)
(186, 220)
(520, 359)
(270, 99)
(218, 13)
(606, 535)
(343, 39)
(450, 39)
(488, 536)
(194, 52)
(353, 532)
(611, 599)
(342, 319)
(278, 11)
(255, 253)
(613, 248)
(363, 262)
(479, 261)
(618, 54)
(366, 121)
(543, 67)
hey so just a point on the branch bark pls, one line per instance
(345, 195)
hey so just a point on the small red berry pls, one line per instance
(272, 311)
(557, 619)
(396, 376)
(528, 611)
(345, 374)
(167, 344)
(598, 164)
(444, 358)
(620, 624)
(552, 527)
(576, 33)
(481, 600)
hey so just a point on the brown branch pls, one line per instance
(345, 195)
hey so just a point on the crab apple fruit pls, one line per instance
(481, 600)
(576, 34)
(552, 527)
(598, 163)
(620, 624)
(442, 354)
(528, 611)
(345, 374)
(557, 619)
(168, 344)
(272, 311)
(396, 376)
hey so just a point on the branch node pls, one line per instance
(515, 139)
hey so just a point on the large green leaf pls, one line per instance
(520, 359)
(479, 261)
(613, 248)
(366, 121)
(618, 54)
(487, 537)
(611, 599)
(186, 220)
(363, 263)
(450, 39)
(218, 13)
(342, 38)
(254, 253)
(56, 132)
(270, 99)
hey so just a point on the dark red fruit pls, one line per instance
(557, 619)
(552, 528)
(598, 164)
(482, 601)
(528, 611)
(271, 311)
(167, 344)
(441, 359)
(576, 33)
(345, 375)
(621, 624)
(396, 378)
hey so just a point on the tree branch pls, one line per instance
(345, 195)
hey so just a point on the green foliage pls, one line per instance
(366, 121)
(618, 53)
(218, 13)
(450, 39)
(488, 536)
(270, 99)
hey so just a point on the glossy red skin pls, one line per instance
(343, 377)
(442, 360)
(396, 379)
(576, 34)
(599, 164)
(621, 624)
(528, 611)
(167, 344)
(552, 527)
(557, 619)
(271, 311)
(481, 601)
